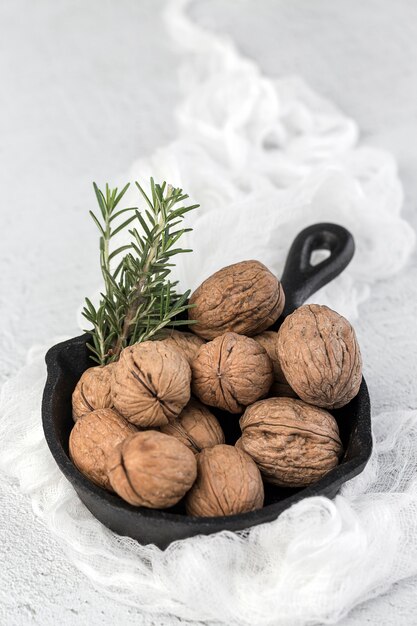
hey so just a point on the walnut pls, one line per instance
(152, 469)
(151, 383)
(320, 356)
(245, 298)
(293, 443)
(231, 372)
(196, 427)
(228, 482)
(280, 387)
(238, 443)
(92, 439)
(93, 391)
(186, 343)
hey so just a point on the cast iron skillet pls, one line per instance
(68, 360)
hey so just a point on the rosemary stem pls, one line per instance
(139, 287)
(106, 262)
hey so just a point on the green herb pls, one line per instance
(138, 299)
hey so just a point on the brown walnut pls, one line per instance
(245, 298)
(196, 427)
(150, 384)
(231, 372)
(152, 469)
(293, 443)
(238, 443)
(320, 356)
(93, 391)
(228, 482)
(280, 387)
(187, 344)
(93, 438)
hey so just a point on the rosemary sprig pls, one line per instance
(108, 204)
(138, 299)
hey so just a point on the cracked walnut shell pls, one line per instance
(245, 298)
(228, 482)
(231, 372)
(93, 438)
(150, 384)
(93, 391)
(293, 443)
(187, 344)
(196, 427)
(152, 469)
(320, 356)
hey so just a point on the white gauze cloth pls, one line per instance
(264, 158)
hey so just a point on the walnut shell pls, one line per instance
(228, 482)
(93, 438)
(93, 391)
(231, 372)
(293, 443)
(150, 383)
(320, 356)
(196, 427)
(152, 469)
(238, 443)
(245, 298)
(187, 344)
(280, 387)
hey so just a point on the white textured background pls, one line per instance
(87, 87)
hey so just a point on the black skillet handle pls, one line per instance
(300, 278)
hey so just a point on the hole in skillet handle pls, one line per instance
(301, 278)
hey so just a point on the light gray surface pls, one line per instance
(87, 88)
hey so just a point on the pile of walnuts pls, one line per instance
(145, 427)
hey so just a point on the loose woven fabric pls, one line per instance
(264, 158)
